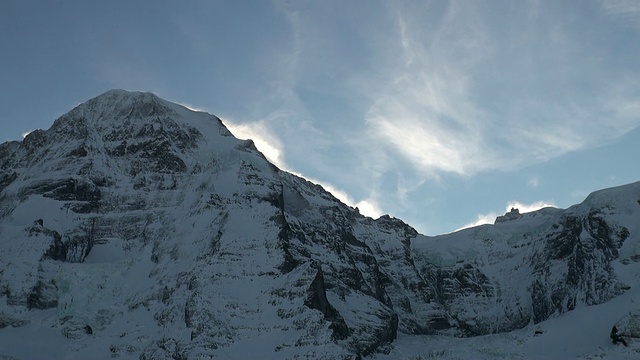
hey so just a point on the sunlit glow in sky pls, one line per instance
(444, 114)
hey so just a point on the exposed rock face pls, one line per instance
(317, 299)
(150, 227)
(584, 247)
(533, 267)
(511, 215)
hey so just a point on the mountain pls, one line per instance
(136, 228)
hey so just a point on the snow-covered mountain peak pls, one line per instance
(125, 132)
(137, 228)
(119, 113)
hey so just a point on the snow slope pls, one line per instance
(580, 334)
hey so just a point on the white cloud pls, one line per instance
(417, 133)
(482, 219)
(264, 140)
(426, 115)
(472, 95)
(24, 134)
(369, 208)
(462, 89)
(525, 208)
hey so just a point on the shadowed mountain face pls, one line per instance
(154, 233)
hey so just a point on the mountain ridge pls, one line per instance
(153, 233)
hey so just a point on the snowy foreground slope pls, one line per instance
(135, 228)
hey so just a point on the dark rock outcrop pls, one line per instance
(317, 299)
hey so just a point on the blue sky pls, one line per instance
(440, 113)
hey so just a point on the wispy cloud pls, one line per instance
(472, 95)
(457, 90)
(426, 114)
(534, 182)
(482, 219)
(453, 88)
(628, 8)
(265, 141)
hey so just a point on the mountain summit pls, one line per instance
(137, 228)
